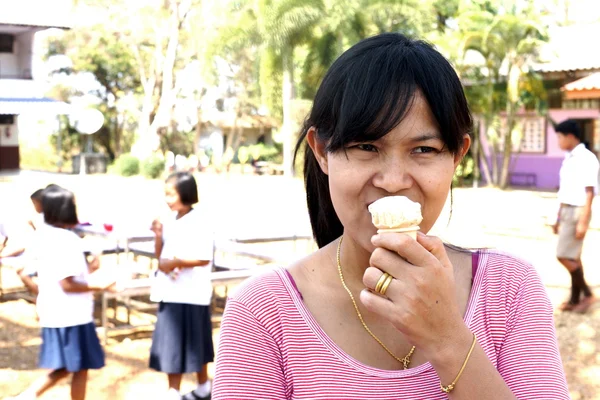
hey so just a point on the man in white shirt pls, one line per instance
(578, 186)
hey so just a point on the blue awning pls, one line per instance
(16, 106)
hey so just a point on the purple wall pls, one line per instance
(546, 166)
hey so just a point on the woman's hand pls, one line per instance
(421, 299)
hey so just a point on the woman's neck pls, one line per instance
(353, 260)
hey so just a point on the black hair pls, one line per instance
(186, 187)
(364, 95)
(37, 195)
(59, 207)
(569, 127)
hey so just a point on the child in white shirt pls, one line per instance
(182, 339)
(65, 301)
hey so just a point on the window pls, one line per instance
(6, 43)
(529, 134)
(7, 119)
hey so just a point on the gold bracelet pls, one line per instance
(450, 387)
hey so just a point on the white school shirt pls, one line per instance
(57, 254)
(579, 170)
(187, 238)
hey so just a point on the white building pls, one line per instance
(19, 92)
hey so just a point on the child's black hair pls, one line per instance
(59, 207)
(37, 195)
(186, 187)
(569, 127)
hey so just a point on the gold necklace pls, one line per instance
(406, 359)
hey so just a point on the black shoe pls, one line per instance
(193, 396)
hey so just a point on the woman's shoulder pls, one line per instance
(504, 264)
(266, 290)
(503, 277)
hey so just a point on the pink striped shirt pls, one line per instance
(271, 347)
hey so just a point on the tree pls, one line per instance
(508, 37)
(98, 51)
(157, 56)
(284, 25)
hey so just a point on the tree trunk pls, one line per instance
(512, 91)
(507, 153)
(198, 130)
(166, 100)
(148, 141)
(482, 158)
(485, 166)
(475, 154)
(287, 128)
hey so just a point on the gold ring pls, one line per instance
(386, 284)
(382, 279)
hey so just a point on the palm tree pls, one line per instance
(286, 24)
(508, 38)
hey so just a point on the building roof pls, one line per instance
(36, 13)
(16, 106)
(590, 82)
(584, 88)
(570, 48)
(227, 119)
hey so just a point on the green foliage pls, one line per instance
(102, 52)
(128, 165)
(464, 172)
(243, 155)
(70, 140)
(178, 142)
(153, 167)
(39, 158)
(271, 78)
(261, 152)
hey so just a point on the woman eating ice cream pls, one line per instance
(385, 315)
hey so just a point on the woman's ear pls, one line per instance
(318, 148)
(460, 154)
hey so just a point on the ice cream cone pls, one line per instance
(410, 231)
(396, 214)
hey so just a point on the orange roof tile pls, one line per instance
(590, 82)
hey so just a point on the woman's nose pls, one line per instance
(393, 176)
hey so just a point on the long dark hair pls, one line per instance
(365, 94)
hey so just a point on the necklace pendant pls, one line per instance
(405, 362)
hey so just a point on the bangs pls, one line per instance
(370, 91)
(374, 99)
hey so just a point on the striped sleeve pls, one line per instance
(249, 363)
(529, 359)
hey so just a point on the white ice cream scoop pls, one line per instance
(396, 214)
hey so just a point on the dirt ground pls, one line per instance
(515, 221)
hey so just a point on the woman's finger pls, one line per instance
(435, 246)
(405, 247)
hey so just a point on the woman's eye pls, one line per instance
(365, 147)
(425, 149)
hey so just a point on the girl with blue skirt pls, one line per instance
(182, 339)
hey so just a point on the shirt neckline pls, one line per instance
(337, 352)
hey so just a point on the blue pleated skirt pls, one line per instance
(74, 348)
(182, 338)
